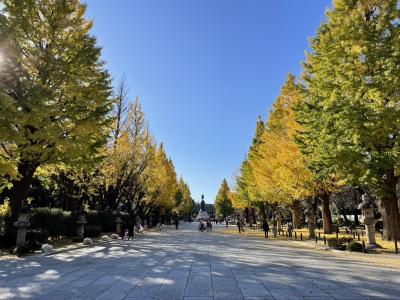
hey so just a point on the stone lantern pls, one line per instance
(368, 213)
(118, 221)
(21, 225)
(80, 228)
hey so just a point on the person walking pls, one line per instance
(130, 231)
(290, 230)
(239, 225)
(266, 228)
(226, 222)
(176, 223)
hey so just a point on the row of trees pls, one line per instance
(333, 133)
(66, 138)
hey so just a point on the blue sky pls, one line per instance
(204, 70)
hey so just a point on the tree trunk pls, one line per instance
(311, 218)
(326, 214)
(263, 213)
(295, 209)
(19, 193)
(253, 216)
(246, 215)
(356, 221)
(390, 209)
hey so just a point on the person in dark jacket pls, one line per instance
(266, 228)
(176, 223)
(130, 231)
(239, 225)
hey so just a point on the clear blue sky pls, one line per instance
(204, 70)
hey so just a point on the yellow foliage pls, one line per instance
(5, 209)
(236, 201)
(280, 169)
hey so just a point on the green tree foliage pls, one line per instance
(223, 204)
(248, 192)
(184, 202)
(351, 113)
(54, 90)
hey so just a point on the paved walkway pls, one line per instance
(190, 265)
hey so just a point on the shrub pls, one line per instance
(35, 239)
(5, 212)
(92, 231)
(105, 219)
(354, 247)
(56, 221)
(338, 244)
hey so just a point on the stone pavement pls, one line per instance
(190, 265)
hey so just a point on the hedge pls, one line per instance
(57, 222)
(53, 220)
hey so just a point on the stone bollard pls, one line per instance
(22, 224)
(80, 226)
(367, 210)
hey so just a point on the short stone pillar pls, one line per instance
(118, 221)
(80, 228)
(22, 224)
(367, 210)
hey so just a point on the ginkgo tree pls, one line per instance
(280, 169)
(54, 91)
(184, 202)
(351, 113)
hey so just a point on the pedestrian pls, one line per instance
(266, 228)
(239, 225)
(130, 231)
(226, 222)
(290, 230)
(176, 223)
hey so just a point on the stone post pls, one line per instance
(367, 210)
(80, 228)
(21, 225)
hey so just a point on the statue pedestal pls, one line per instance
(202, 215)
